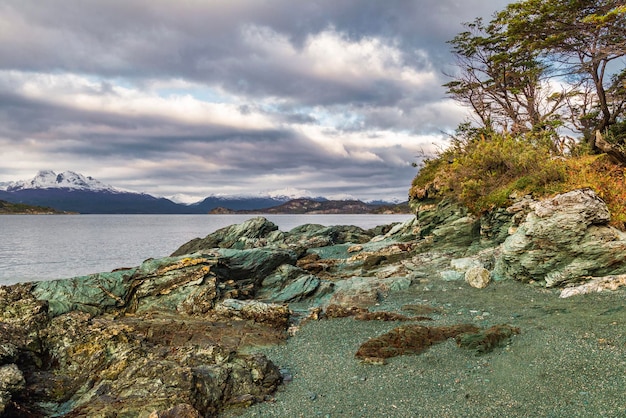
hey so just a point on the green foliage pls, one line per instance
(617, 133)
(581, 39)
(500, 80)
(482, 172)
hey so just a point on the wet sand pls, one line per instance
(568, 361)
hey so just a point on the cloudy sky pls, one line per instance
(325, 97)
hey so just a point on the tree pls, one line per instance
(502, 82)
(585, 39)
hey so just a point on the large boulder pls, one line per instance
(314, 235)
(129, 366)
(563, 240)
(11, 381)
(260, 233)
(447, 226)
(288, 284)
(252, 233)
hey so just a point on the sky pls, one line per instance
(192, 98)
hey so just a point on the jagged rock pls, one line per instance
(252, 233)
(448, 225)
(179, 411)
(288, 284)
(251, 267)
(143, 340)
(563, 240)
(297, 290)
(355, 248)
(259, 232)
(408, 230)
(596, 284)
(94, 366)
(478, 277)
(495, 225)
(356, 291)
(11, 381)
(22, 319)
(313, 235)
(265, 313)
(189, 284)
(365, 291)
(167, 338)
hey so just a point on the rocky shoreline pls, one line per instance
(173, 336)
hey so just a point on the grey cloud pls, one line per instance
(132, 42)
(202, 41)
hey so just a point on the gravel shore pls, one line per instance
(568, 361)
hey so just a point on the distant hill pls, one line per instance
(88, 201)
(73, 192)
(8, 208)
(310, 206)
(234, 204)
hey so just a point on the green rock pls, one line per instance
(298, 289)
(563, 240)
(95, 293)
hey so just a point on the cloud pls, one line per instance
(203, 97)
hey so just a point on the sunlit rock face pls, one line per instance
(563, 240)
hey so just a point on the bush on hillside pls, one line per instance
(485, 170)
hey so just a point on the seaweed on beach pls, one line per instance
(487, 340)
(363, 314)
(415, 339)
(409, 339)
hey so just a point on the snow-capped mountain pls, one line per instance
(74, 192)
(48, 179)
(287, 193)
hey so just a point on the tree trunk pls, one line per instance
(613, 151)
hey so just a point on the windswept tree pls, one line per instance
(503, 83)
(586, 41)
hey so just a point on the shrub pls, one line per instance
(607, 179)
(483, 172)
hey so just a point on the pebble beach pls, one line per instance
(569, 360)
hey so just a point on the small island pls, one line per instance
(8, 208)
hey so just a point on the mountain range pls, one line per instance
(73, 192)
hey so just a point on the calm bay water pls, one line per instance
(45, 247)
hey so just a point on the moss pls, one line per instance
(420, 309)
